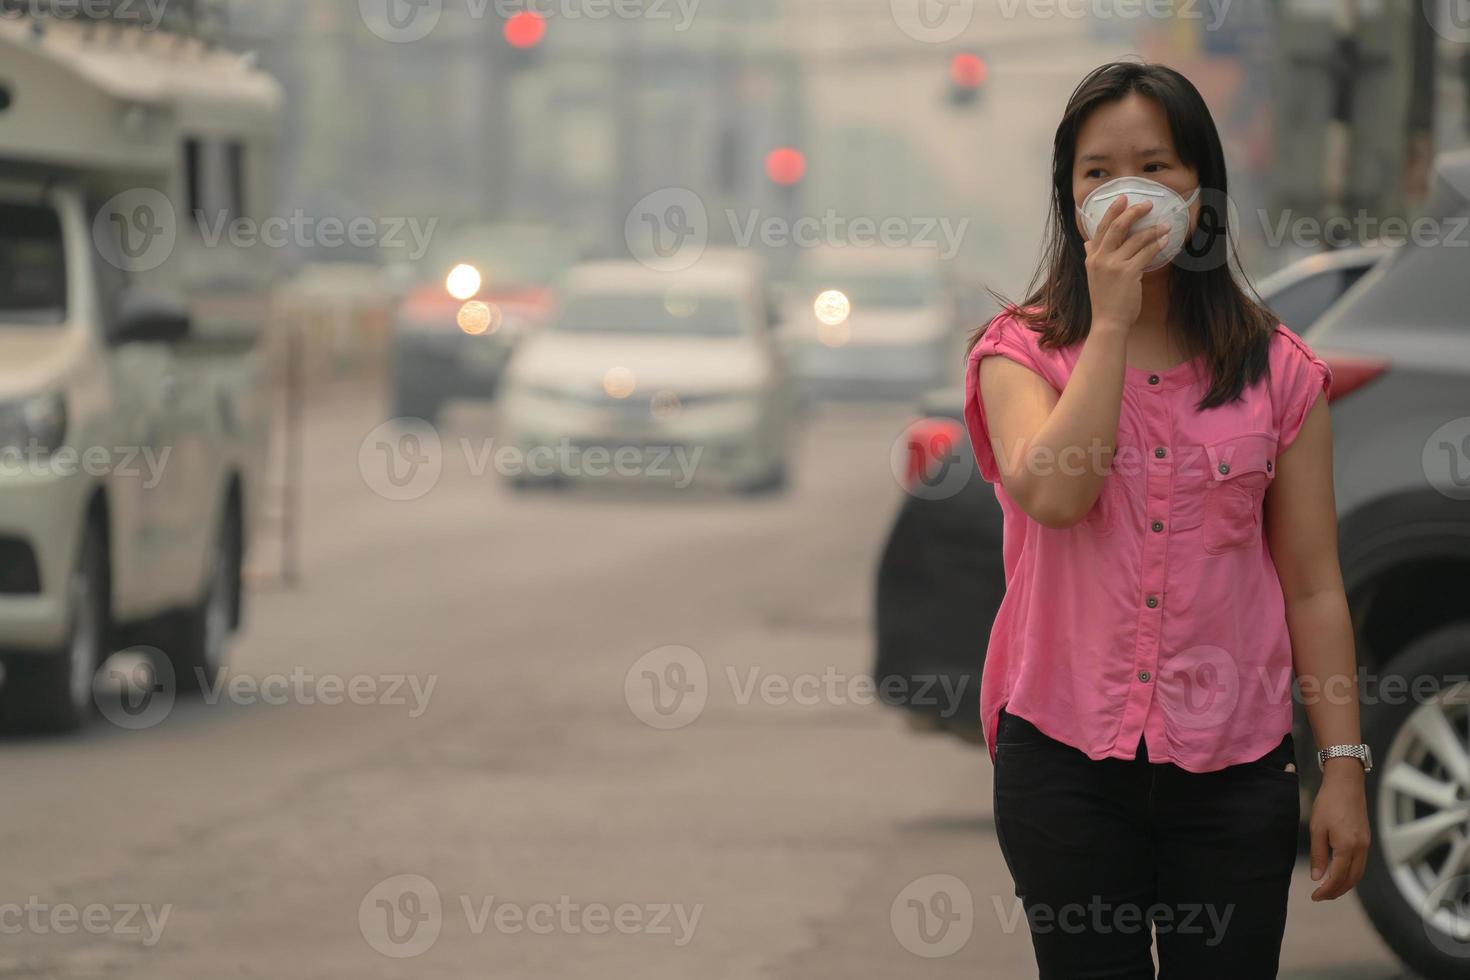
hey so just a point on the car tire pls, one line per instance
(52, 692)
(202, 633)
(1388, 890)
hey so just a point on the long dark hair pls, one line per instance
(1220, 322)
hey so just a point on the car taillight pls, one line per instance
(931, 443)
(1351, 372)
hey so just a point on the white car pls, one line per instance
(133, 416)
(872, 321)
(672, 377)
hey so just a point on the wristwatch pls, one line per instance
(1360, 752)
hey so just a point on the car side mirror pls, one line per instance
(144, 317)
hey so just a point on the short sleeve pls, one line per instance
(1298, 376)
(1008, 337)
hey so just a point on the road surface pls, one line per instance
(444, 755)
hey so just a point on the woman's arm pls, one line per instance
(1301, 528)
(1054, 451)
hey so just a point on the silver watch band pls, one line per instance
(1359, 752)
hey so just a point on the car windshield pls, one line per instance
(32, 266)
(899, 292)
(504, 257)
(651, 313)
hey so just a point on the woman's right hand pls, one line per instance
(1115, 263)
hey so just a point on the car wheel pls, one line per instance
(1417, 885)
(52, 692)
(202, 638)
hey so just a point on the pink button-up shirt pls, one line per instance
(1159, 615)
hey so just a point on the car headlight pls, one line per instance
(33, 424)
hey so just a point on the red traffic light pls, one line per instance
(967, 70)
(785, 166)
(525, 30)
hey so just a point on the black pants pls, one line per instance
(1107, 853)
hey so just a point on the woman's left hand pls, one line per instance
(1339, 830)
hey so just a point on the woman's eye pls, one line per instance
(1153, 168)
(1093, 174)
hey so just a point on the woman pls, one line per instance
(1163, 459)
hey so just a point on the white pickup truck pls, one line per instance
(133, 413)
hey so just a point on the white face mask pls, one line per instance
(1169, 209)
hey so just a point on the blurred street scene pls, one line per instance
(482, 489)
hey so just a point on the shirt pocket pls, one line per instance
(1241, 467)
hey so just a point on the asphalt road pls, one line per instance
(454, 740)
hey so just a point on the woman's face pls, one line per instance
(1129, 138)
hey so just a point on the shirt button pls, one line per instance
(1144, 676)
(1268, 466)
(1153, 602)
(1224, 467)
(1158, 526)
(1153, 379)
(1161, 452)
